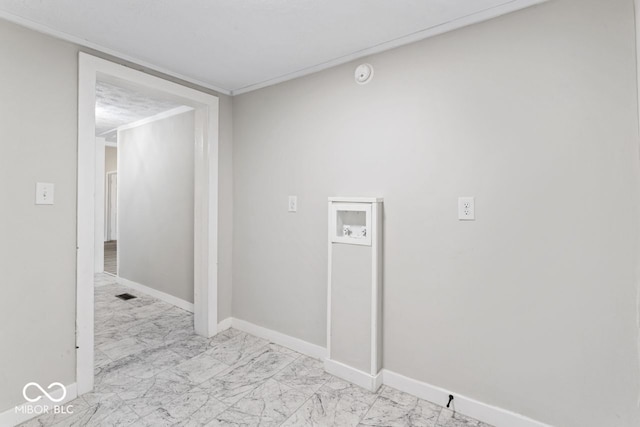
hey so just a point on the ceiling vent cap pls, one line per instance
(364, 74)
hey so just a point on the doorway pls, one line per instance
(205, 200)
(111, 225)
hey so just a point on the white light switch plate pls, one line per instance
(44, 193)
(466, 209)
(293, 204)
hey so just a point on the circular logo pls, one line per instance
(44, 392)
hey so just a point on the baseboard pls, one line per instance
(224, 324)
(11, 417)
(464, 405)
(180, 303)
(493, 415)
(296, 344)
(353, 375)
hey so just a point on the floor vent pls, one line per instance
(126, 296)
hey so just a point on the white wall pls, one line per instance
(155, 204)
(532, 307)
(38, 106)
(110, 165)
(38, 89)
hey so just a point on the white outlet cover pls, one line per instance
(466, 209)
(45, 192)
(293, 204)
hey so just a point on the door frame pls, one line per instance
(108, 211)
(90, 70)
(100, 235)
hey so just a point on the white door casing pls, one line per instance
(112, 206)
(100, 232)
(92, 69)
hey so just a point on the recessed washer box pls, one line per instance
(351, 223)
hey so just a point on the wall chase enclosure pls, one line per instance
(354, 339)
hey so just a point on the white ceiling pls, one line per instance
(117, 106)
(239, 45)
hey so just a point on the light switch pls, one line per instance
(44, 193)
(293, 204)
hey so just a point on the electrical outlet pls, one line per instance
(293, 204)
(466, 208)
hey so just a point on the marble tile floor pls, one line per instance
(111, 257)
(152, 370)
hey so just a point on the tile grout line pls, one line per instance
(298, 408)
(267, 379)
(369, 410)
(307, 399)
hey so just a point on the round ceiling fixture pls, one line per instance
(364, 73)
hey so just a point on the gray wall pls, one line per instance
(110, 160)
(38, 89)
(38, 110)
(155, 204)
(532, 307)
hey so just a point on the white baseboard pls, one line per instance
(225, 324)
(11, 417)
(296, 344)
(464, 405)
(356, 376)
(180, 303)
(493, 415)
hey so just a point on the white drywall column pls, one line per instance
(99, 206)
